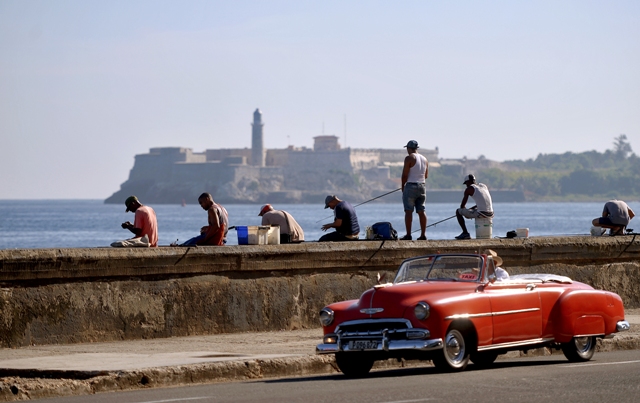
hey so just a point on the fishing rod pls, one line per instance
(370, 200)
(435, 223)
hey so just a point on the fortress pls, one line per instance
(257, 175)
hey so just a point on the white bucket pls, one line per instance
(273, 236)
(522, 232)
(484, 228)
(597, 231)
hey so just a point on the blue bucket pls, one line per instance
(243, 235)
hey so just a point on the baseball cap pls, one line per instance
(128, 202)
(412, 144)
(328, 200)
(469, 178)
(264, 209)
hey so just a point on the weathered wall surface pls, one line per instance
(81, 295)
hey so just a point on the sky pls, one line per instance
(87, 85)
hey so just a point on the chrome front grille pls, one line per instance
(372, 328)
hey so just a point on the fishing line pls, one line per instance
(370, 200)
(435, 223)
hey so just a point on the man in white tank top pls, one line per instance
(414, 193)
(483, 208)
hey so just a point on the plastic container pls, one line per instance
(597, 231)
(243, 235)
(258, 235)
(484, 228)
(273, 235)
(522, 232)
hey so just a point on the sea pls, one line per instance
(91, 223)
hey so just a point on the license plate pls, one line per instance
(363, 345)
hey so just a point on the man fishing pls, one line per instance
(290, 230)
(218, 219)
(414, 191)
(144, 227)
(615, 216)
(483, 208)
(345, 222)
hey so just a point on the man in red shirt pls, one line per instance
(218, 219)
(144, 223)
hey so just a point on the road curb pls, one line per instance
(34, 384)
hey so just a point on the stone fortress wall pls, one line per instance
(256, 175)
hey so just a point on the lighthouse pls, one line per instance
(257, 145)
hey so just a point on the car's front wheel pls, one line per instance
(579, 348)
(354, 365)
(455, 354)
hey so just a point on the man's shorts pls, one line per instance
(414, 196)
(473, 213)
(607, 221)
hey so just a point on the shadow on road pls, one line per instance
(426, 370)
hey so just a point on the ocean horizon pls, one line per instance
(75, 223)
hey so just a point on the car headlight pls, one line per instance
(326, 316)
(421, 310)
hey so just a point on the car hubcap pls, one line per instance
(455, 348)
(583, 344)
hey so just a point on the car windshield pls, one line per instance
(445, 268)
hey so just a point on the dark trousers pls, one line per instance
(335, 237)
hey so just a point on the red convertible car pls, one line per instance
(451, 308)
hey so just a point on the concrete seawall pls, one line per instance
(83, 295)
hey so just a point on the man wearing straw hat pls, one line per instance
(501, 274)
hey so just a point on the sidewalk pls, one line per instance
(76, 369)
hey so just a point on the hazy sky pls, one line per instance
(86, 85)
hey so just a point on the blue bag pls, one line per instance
(384, 230)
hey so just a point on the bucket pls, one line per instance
(484, 228)
(273, 236)
(522, 232)
(597, 231)
(243, 235)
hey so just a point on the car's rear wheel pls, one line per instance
(484, 359)
(579, 348)
(455, 353)
(354, 365)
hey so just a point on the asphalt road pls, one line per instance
(608, 377)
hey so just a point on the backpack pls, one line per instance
(384, 230)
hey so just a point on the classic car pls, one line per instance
(451, 309)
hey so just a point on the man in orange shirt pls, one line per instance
(144, 223)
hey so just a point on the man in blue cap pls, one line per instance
(345, 222)
(414, 190)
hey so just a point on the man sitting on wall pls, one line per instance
(144, 227)
(345, 223)
(290, 230)
(615, 216)
(216, 232)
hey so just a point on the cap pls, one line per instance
(469, 178)
(328, 200)
(128, 202)
(496, 259)
(264, 209)
(412, 144)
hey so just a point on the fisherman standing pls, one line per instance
(345, 222)
(615, 216)
(483, 208)
(414, 191)
(290, 230)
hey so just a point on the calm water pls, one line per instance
(89, 223)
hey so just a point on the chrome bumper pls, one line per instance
(386, 345)
(622, 325)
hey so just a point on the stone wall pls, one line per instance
(85, 295)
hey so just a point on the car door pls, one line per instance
(515, 309)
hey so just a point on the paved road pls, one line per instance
(609, 377)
